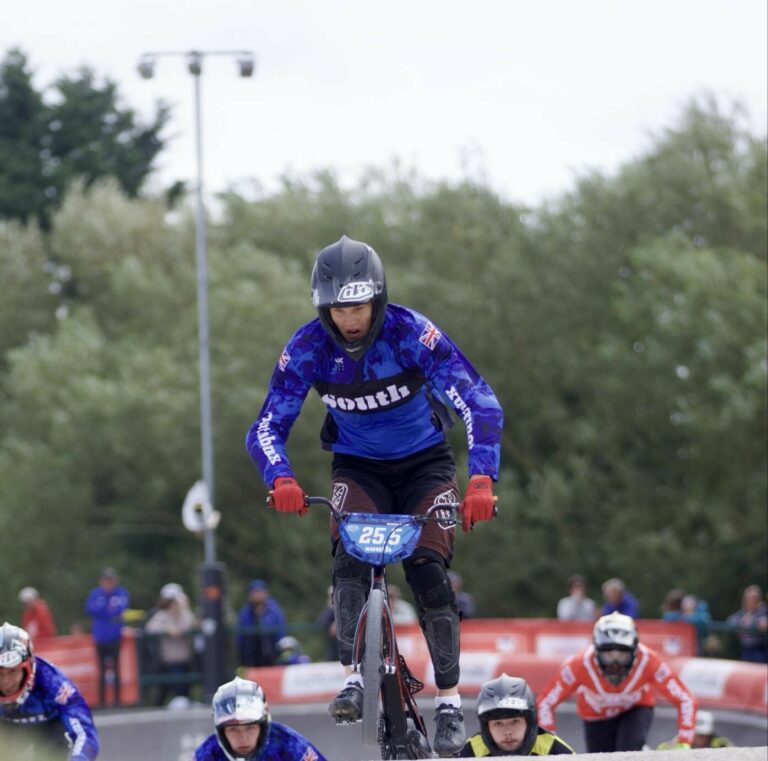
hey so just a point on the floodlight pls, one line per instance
(146, 67)
(195, 63)
(246, 64)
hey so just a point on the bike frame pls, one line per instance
(375, 645)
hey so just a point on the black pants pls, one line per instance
(627, 731)
(407, 486)
(109, 659)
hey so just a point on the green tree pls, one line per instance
(623, 331)
(78, 128)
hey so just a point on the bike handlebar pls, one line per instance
(429, 515)
(338, 514)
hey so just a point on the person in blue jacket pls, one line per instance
(244, 730)
(105, 605)
(263, 612)
(40, 708)
(618, 599)
(388, 376)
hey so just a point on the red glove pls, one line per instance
(287, 496)
(478, 502)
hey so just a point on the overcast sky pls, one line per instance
(528, 94)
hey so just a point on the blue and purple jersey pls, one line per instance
(55, 699)
(283, 744)
(388, 405)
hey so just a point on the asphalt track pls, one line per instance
(172, 735)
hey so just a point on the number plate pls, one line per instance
(379, 539)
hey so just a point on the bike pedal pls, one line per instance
(346, 722)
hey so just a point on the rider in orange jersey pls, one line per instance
(614, 679)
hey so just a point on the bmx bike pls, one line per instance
(391, 719)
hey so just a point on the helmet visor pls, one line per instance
(239, 709)
(615, 656)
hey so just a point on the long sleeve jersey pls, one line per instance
(386, 406)
(283, 744)
(54, 698)
(596, 698)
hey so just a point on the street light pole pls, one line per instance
(204, 361)
(212, 573)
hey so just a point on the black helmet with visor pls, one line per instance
(349, 273)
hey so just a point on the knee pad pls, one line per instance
(438, 613)
(427, 577)
(351, 580)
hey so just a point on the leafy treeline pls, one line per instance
(76, 128)
(622, 325)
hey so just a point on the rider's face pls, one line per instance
(353, 322)
(243, 737)
(10, 680)
(508, 734)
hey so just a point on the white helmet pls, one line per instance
(240, 701)
(16, 650)
(705, 723)
(615, 632)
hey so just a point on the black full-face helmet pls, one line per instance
(615, 634)
(348, 273)
(16, 650)
(505, 698)
(240, 701)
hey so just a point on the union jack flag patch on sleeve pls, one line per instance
(65, 692)
(430, 336)
(285, 358)
(309, 755)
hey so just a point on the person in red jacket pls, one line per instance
(36, 618)
(614, 679)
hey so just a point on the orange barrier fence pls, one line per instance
(733, 685)
(75, 655)
(531, 648)
(546, 636)
(534, 649)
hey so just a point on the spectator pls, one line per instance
(751, 621)
(670, 608)
(402, 611)
(260, 623)
(173, 624)
(679, 606)
(105, 605)
(618, 599)
(40, 706)
(464, 601)
(704, 736)
(327, 622)
(577, 606)
(36, 618)
(289, 652)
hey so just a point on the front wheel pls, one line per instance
(373, 664)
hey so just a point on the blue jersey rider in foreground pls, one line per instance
(385, 374)
(39, 707)
(245, 731)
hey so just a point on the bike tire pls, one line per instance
(372, 667)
